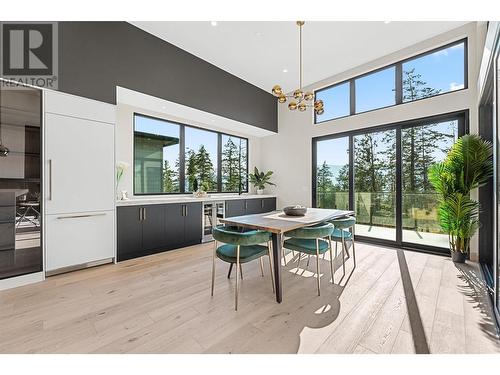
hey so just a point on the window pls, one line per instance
(375, 90)
(160, 169)
(332, 173)
(156, 156)
(382, 175)
(436, 72)
(234, 164)
(201, 159)
(338, 98)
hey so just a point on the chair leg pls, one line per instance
(213, 267)
(308, 259)
(298, 262)
(269, 246)
(261, 266)
(353, 249)
(241, 272)
(331, 258)
(238, 269)
(317, 265)
(230, 269)
(343, 255)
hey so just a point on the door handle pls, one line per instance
(50, 180)
(80, 216)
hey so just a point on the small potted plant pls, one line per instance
(467, 166)
(260, 180)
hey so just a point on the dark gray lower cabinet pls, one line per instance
(239, 207)
(235, 208)
(129, 232)
(149, 229)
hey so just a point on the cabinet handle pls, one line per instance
(144, 214)
(182, 210)
(246, 205)
(140, 213)
(80, 216)
(186, 210)
(50, 181)
(262, 203)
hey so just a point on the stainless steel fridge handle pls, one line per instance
(50, 180)
(80, 216)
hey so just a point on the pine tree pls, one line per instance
(231, 166)
(170, 178)
(191, 169)
(205, 169)
(324, 185)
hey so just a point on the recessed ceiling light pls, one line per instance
(258, 33)
(285, 70)
(386, 22)
(213, 23)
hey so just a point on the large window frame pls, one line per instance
(398, 69)
(182, 154)
(463, 128)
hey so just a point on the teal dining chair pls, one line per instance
(344, 231)
(314, 240)
(240, 247)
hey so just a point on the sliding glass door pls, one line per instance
(421, 147)
(382, 175)
(375, 184)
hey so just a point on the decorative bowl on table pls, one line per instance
(296, 210)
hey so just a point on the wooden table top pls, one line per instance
(278, 222)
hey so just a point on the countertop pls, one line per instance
(188, 198)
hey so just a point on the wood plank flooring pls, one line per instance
(394, 301)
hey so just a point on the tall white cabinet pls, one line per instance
(79, 182)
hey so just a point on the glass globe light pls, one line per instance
(292, 106)
(282, 98)
(302, 107)
(298, 94)
(277, 91)
(308, 96)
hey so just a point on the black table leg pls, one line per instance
(277, 265)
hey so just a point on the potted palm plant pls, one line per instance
(260, 180)
(468, 165)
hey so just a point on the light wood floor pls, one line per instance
(393, 302)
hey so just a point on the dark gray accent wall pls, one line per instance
(95, 57)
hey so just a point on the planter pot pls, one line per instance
(458, 257)
(260, 191)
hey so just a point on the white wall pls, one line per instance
(289, 152)
(124, 134)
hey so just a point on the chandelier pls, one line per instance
(300, 100)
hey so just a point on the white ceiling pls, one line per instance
(259, 51)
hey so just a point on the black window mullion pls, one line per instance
(219, 162)
(314, 170)
(352, 96)
(399, 83)
(182, 160)
(351, 172)
(399, 188)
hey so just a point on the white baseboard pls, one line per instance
(14, 282)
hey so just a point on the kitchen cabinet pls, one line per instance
(241, 207)
(78, 239)
(79, 182)
(235, 207)
(148, 229)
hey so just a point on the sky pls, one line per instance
(442, 70)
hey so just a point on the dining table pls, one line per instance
(278, 223)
